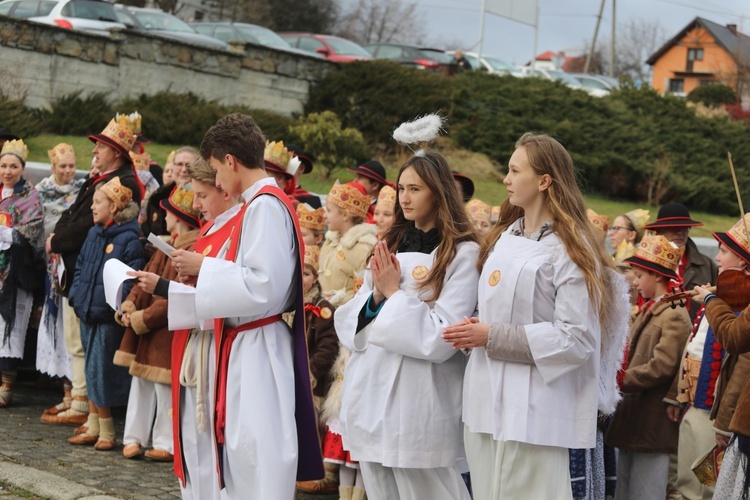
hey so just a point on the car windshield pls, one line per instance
(345, 47)
(90, 9)
(438, 56)
(161, 21)
(497, 64)
(263, 36)
(565, 78)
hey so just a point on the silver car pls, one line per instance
(95, 16)
(163, 24)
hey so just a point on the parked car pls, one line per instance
(404, 54)
(95, 16)
(166, 25)
(252, 33)
(600, 82)
(490, 64)
(333, 48)
(563, 77)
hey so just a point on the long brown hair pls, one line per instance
(451, 220)
(565, 202)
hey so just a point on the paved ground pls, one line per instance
(36, 460)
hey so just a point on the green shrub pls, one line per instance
(713, 95)
(75, 115)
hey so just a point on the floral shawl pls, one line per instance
(56, 199)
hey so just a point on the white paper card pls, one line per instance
(114, 277)
(161, 244)
(60, 269)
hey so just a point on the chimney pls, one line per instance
(732, 28)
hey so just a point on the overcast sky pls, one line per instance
(564, 25)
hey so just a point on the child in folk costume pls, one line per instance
(640, 428)
(348, 242)
(730, 326)
(312, 225)
(481, 214)
(401, 407)
(21, 230)
(549, 333)
(383, 214)
(705, 388)
(146, 347)
(114, 236)
(261, 364)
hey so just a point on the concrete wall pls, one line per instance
(49, 62)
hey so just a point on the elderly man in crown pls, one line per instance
(111, 159)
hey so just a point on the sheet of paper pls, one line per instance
(114, 276)
(161, 244)
(60, 269)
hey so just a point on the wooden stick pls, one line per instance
(739, 197)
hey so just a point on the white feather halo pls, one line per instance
(419, 131)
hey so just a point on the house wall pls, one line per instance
(673, 63)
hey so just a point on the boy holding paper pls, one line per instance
(114, 236)
(147, 344)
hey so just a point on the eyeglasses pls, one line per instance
(180, 165)
(614, 229)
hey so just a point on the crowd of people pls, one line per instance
(391, 340)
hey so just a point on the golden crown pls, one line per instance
(170, 158)
(117, 193)
(60, 152)
(141, 161)
(660, 251)
(387, 196)
(182, 199)
(311, 219)
(601, 222)
(277, 154)
(312, 256)
(350, 199)
(120, 133)
(739, 235)
(639, 218)
(495, 213)
(478, 209)
(624, 250)
(17, 148)
(132, 121)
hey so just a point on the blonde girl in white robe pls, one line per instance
(534, 381)
(401, 408)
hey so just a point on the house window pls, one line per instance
(695, 54)
(676, 85)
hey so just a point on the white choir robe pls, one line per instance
(260, 450)
(401, 404)
(552, 402)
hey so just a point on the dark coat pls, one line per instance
(733, 333)
(74, 224)
(146, 347)
(155, 220)
(698, 271)
(118, 241)
(322, 344)
(657, 340)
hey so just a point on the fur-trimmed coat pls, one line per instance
(341, 257)
(116, 241)
(146, 346)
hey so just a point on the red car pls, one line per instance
(335, 49)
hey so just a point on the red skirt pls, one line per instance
(334, 452)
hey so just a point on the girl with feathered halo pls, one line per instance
(401, 408)
(551, 326)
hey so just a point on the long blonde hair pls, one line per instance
(565, 202)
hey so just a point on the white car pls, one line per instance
(95, 16)
(563, 77)
(490, 64)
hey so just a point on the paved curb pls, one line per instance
(47, 485)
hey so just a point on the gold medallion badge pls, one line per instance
(340, 255)
(419, 272)
(325, 313)
(154, 217)
(494, 278)
(207, 250)
(109, 248)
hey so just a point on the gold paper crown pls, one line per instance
(132, 121)
(182, 199)
(312, 256)
(311, 219)
(387, 196)
(495, 213)
(117, 193)
(350, 199)
(738, 234)
(141, 161)
(624, 250)
(61, 151)
(121, 134)
(639, 218)
(601, 222)
(477, 209)
(660, 251)
(277, 154)
(170, 158)
(17, 148)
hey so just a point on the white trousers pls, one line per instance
(696, 438)
(391, 483)
(146, 399)
(510, 470)
(641, 476)
(72, 333)
(201, 480)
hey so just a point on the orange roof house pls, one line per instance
(702, 53)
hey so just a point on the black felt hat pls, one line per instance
(467, 185)
(673, 215)
(371, 169)
(306, 158)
